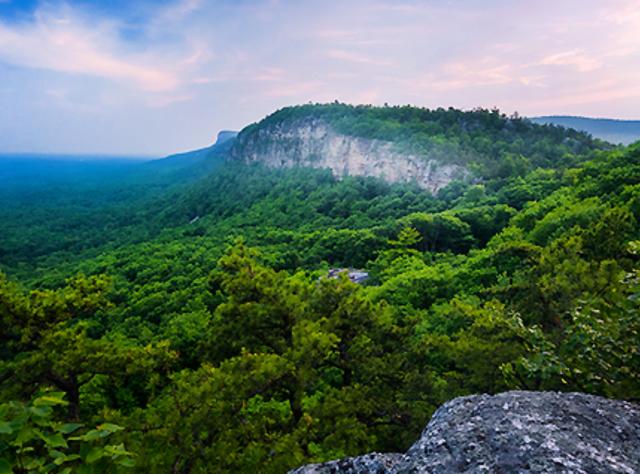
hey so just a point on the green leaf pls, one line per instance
(110, 427)
(84, 469)
(54, 440)
(126, 462)
(33, 464)
(5, 428)
(89, 436)
(55, 454)
(42, 411)
(117, 450)
(25, 434)
(5, 467)
(69, 428)
(51, 399)
(95, 454)
(61, 458)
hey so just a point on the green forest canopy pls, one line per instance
(160, 343)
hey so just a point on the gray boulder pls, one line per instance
(372, 462)
(515, 432)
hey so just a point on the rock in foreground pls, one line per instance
(515, 432)
(373, 462)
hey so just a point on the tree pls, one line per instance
(46, 333)
(314, 359)
(596, 350)
(439, 232)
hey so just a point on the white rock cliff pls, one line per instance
(315, 144)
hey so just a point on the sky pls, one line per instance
(156, 77)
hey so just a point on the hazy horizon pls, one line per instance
(79, 156)
(154, 78)
(132, 157)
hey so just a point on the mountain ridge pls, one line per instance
(616, 131)
(399, 144)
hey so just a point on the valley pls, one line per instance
(184, 301)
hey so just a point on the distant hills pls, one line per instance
(614, 131)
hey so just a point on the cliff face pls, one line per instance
(523, 432)
(314, 143)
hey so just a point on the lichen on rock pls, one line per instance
(515, 432)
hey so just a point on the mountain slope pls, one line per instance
(191, 164)
(446, 152)
(220, 345)
(400, 144)
(622, 132)
(107, 202)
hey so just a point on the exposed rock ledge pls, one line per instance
(315, 144)
(514, 432)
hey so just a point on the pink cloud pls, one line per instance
(357, 58)
(576, 58)
(63, 44)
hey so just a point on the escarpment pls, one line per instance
(317, 144)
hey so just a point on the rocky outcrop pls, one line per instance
(314, 143)
(373, 462)
(515, 432)
(355, 275)
(225, 136)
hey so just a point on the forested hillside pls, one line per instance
(484, 142)
(186, 323)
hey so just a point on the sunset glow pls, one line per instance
(83, 77)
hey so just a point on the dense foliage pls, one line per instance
(206, 326)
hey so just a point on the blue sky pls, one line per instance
(156, 77)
